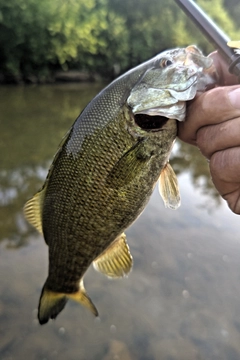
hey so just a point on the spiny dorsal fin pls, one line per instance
(116, 261)
(168, 187)
(33, 207)
(33, 210)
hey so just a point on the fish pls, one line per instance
(105, 170)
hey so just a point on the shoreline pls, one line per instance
(71, 76)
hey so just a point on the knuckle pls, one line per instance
(204, 142)
(217, 164)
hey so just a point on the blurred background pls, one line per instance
(181, 300)
(97, 37)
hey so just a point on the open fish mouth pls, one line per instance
(150, 122)
(160, 104)
(162, 92)
(172, 106)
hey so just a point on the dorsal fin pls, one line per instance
(116, 261)
(33, 210)
(33, 207)
(168, 187)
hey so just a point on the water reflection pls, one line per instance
(33, 121)
(188, 159)
(180, 302)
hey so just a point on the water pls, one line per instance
(181, 300)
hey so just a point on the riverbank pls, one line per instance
(71, 76)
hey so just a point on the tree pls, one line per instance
(103, 36)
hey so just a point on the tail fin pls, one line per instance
(82, 297)
(52, 303)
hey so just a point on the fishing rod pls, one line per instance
(213, 33)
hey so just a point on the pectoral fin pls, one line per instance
(33, 210)
(116, 261)
(128, 167)
(168, 187)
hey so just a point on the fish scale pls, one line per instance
(104, 202)
(105, 171)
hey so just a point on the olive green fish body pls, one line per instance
(84, 208)
(105, 171)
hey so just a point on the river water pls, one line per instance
(182, 299)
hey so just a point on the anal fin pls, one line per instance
(116, 261)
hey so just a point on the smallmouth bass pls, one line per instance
(105, 170)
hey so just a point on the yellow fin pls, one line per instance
(82, 297)
(168, 187)
(50, 305)
(33, 210)
(33, 207)
(116, 261)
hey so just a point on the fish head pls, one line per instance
(172, 78)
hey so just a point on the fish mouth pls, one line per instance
(150, 122)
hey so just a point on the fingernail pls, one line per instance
(234, 97)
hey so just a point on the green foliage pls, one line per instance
(233, 9)
(222, 15)
(24, 36)
(103, 36)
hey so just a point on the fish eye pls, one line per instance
(165, 62)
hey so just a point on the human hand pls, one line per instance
(213, 124)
